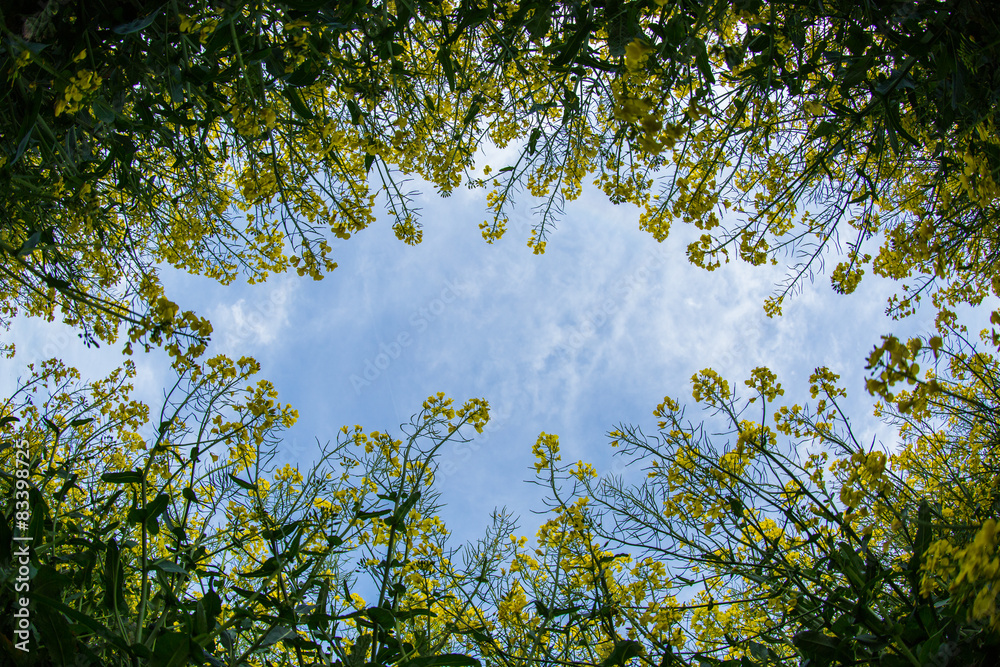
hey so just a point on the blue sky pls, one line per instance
(592, 333)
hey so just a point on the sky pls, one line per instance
(591, 334)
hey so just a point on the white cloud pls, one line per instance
(252, 321)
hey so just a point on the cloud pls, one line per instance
(252, 321)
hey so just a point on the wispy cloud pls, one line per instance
(593, 333)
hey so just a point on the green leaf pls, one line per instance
(575, 43)
(270, 566)
(824, 129)
(39, 510)
(172, 649)
(701, 60)
(400, 514)
(355, 110)
(445, 659)
(758, 43)
(114, 578)
(212, 603)
(536, 134)
(470, 115)
(136, 25)
(275, 635)
(29, 244)
(384, 617)
(736, 505)
(79, 617)
(157, 506)
(169, 567)
(102, 110)
(242, 483)
(622, 653)
(297, 104)
(444, 57)
(128, 477)
(27, 128)
(814, 644)
(412, 613)
(921, 543)
(281, 532)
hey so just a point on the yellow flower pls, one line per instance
(636, 53)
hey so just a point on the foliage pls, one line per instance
(189, 546)
(241, 139)
(753, 543)
(226, 138)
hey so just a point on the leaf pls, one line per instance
(281, 532)
(297, 104)
(127, 477)
(735, 55)
(400, 514)
(57, 283)
(355, 110)
(275, 635)
(55, 635)
(444, 57)
(536, 134)
(758, 43)
(8, 420)
(167, 567)
(575, 43)
(136, 25)
(157, 506)
(242, 483)
(736, 505)
(79, 617)
(369, 161)
(448, 659)
(212, 603)
(102, 110)
(540, 21)
(470, 115)
(27, 128)
(759, 651)
(114, 578)
(701, 60)
(814, 643)
(622, 653)
(411, 613)
(70, 483)
(384, 617)
(172, 649)
(270, 566)
(824, 129)
(29, 245)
